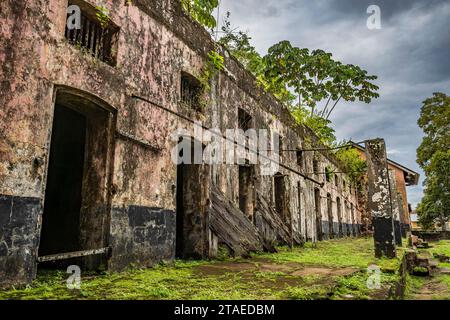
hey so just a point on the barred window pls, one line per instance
(191, 90)
(95, 32)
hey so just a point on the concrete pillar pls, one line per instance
(405, 225)
(395, 208)
(379, 203)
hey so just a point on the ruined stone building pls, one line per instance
(86, 118)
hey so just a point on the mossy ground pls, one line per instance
(335, 269)
(436, 287)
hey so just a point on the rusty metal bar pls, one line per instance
(69, 255)
(129, 137)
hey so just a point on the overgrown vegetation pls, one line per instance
(431, 288)
(201, 11)
(433, 155)
(301, 79)
(332, 270)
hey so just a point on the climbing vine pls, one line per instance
(201, 11)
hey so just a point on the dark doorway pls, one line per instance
(318, 208)
(77, 199)
(61, 221)
(353, 220)
(279, 195)
(339, 214)
(191, 198)
(299, 194)
(246, 191)
(330, 216)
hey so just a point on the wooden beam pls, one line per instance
(70, 255)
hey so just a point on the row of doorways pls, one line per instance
(331, 227)
(77, 198)
(76, 208)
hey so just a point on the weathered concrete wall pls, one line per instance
(156, 43)
(380, 204)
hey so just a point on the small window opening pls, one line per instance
(299, 155)
(244, 120)
(316, 166)
(96, 33)
(191, 91)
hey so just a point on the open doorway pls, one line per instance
(318, 209)
(192, 204)
(75, 219)
(339, 214)
(246, 191)
(280, 195)
(330, 217)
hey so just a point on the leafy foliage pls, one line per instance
(315, 76)
(201, 11)
(433, 155)
(435, 122)
(354, 166)
(238, 43)
(217, 61)
(319, 125)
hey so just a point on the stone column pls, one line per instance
(395, 208)
(405, 226)
(379, 202)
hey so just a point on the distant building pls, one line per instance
(414, 217)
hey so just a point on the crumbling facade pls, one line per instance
(85, 142)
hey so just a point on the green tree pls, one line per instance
(239, 44)
(435, 205)
(433, 155)
(315, 77)
(435, 122)
(201, 11)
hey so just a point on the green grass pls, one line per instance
(440, 284)
(336, 253)
(189, 280)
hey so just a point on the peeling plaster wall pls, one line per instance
(156, 43)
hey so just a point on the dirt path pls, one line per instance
(432, 289)
(265, 265)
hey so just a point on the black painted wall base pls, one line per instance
(398, 233)
(141, 236)
(384, 237)
(348, 230)
(19, 238)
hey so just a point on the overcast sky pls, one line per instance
(410, 54)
